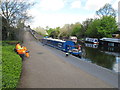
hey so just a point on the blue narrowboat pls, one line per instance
(66, 46)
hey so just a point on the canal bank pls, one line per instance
(93, 68)
(49, 68)
(102, 73)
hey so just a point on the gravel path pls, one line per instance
(45, 70)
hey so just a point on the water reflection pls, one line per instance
(91, 45)
(108, 57)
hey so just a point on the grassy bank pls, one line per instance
(11, 65)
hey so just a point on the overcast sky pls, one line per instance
(54, 13)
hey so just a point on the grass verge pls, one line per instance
(11, 65)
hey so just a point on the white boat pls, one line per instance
(111, 40)
(115, 42)
(92, 40)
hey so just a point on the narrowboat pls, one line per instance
(66, 46)
(113, 42)
(92, 40)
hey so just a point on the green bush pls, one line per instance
(11, 66)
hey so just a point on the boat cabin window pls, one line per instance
(110, 44)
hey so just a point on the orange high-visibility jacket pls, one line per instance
(24, 48)
(18, 46)
(26, 54)
(21, 51)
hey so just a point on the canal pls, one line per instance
(107, 57)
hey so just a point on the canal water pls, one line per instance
(107, 57)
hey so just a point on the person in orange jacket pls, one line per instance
(21, 50)
(26, 52)
(21, 53)
(18, 46)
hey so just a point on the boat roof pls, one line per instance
(55, 39)
(111, 39)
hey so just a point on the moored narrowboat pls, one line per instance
(66, 46)
(113, 42)
(92, 40)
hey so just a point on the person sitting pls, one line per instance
(26, 51)
(21, 53)
(21, 50)
(18, 46)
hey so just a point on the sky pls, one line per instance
(57, 13)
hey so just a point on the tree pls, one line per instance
(65, 31)
(49, 31)
(76, 29)
(57, 31)
(84, 27)
(106, 10)
(103, 27)
(54, 32)
(4, 31)
(41, 31)
(86, 23)
(13, 11)
(92, 30)
(108, 26)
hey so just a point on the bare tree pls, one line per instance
(106, 10)
(65, 30)
(14, 10)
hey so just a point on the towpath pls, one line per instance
(45, 69)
